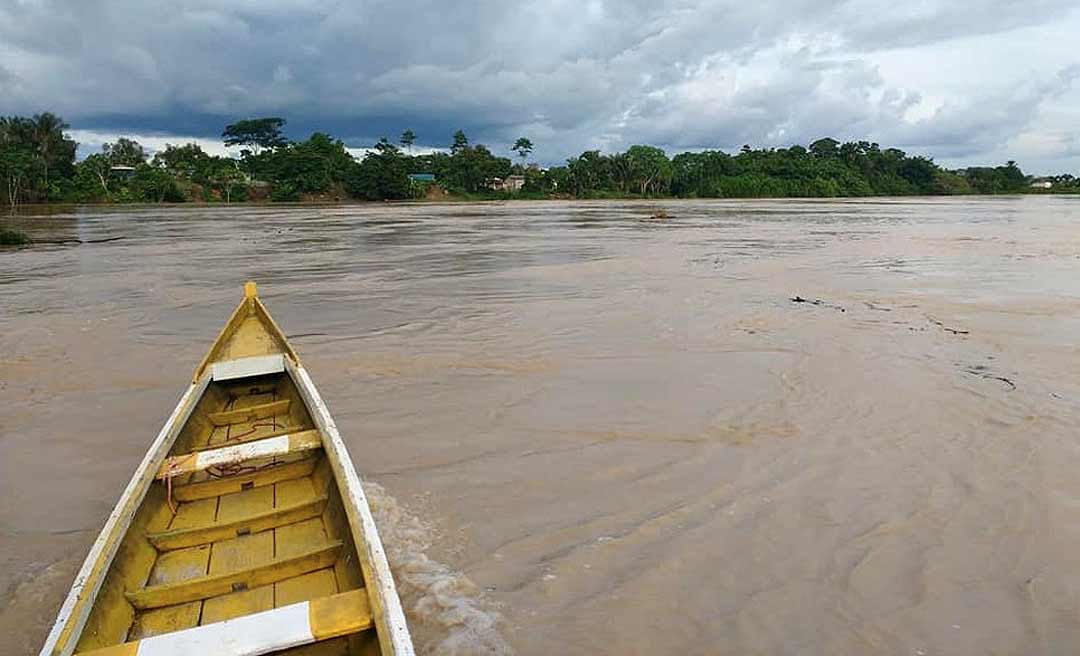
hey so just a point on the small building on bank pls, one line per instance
(122, 172)
(512, 183)
(422, 178)
(1042, 184)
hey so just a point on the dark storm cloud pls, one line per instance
(571, 74)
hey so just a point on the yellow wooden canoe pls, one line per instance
(244, 531)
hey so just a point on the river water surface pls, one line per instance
(587, 431)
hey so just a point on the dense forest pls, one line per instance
(38, 164)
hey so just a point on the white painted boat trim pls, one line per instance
(386, 608)
(91, 576)
(248, 635)
(271, 446)
(240, 453)
(259, 365)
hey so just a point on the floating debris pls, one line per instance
(939, 324)
(982, 371)
(818, 302)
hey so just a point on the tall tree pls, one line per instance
(460, 142)
(522, 147)
(382, 175)
(408, 138)
(652, 168)
(824, 148)
(19, 169)
(124, 152)
(57, 151)
(256, 133)
(227, 176)
(188, 161)
(91, 173)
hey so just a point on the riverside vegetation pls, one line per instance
(38, 164)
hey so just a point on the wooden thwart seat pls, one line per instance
(284, 430)
(261, 478)
(250, 413)
(197, 461)
(213, 585)
(196, 535)
(260, 633)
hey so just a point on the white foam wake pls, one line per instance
(447, 613)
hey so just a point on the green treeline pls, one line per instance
(38, 164)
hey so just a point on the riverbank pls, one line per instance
(451, 197)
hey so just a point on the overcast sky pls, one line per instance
(980, 81)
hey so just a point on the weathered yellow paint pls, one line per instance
(250, 289)
(219, 486)
(296, 491)
(245, 503)
(328, 618)
(249, 331)
(125, 649)
(180, 565)
(187, 537)
(236, 604)
(242, 553)
(212, 586)
(165, 620)
(305, 587)
(250, 413)
(109, 621)
(342, 614)
(300, 537)
(194, 513)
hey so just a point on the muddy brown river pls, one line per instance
(587, 431)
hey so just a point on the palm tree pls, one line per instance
(408, 138)
(48, 133)
(522, 147)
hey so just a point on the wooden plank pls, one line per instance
(305, 587)
(75, 610)
(111, 617)
(245, 503)
(237, 604)
(393, 631)
(254, 437)
(287, 514)
(261, 411)
(194, 513)
(281, 445)
(243, 553)
(212, 586)
(165, 620)
(269, 476)
(180, 565)
(341, 614)
(239, 554)
(270, 631)
(299, 538)
(298, 490)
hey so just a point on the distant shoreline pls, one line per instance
(28, 208)
(38, 165)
